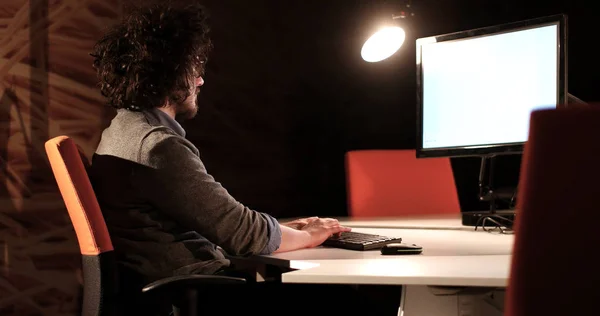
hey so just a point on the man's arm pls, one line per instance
(312, 234)
(300, 222)
(175, 180)
(293, 239)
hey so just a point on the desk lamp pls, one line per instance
(389, 38)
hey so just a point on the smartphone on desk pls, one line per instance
(401, 249)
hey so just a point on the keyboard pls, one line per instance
(360, 241)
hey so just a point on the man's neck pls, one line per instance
(169, 110)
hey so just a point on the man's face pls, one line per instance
(189, 108)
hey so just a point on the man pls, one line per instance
(166, 214)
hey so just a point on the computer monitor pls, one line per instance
(476, 89)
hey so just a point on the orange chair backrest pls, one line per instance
(78, 195)
(393, 183)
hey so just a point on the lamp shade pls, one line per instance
(383, 44)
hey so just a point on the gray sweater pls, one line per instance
(165, 213)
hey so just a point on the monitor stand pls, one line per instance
(493, 218)
(499, 219)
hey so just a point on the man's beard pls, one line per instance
(189, 107)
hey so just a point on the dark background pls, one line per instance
(286, 96)
(287, 93)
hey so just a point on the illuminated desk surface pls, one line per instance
(448, 254)
(453, 256)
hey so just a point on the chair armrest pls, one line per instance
(190, 281)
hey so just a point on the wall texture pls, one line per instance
(47, 88)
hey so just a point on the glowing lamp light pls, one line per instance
(383, 44)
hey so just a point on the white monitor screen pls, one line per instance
(480, 91)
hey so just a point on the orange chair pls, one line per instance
(553, 270)
(393, 183)
(100, 277)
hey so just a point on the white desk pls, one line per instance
(434, 242)
(452, 257)
(445, 222)
(485, 271)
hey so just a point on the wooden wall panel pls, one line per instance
(47, 88)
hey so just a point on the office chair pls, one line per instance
(395, 183)
(100, 275)
(553, 270)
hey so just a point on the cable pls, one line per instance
(512, 203)
(496, 220)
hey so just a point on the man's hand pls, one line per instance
(320, 229)
(299, 223)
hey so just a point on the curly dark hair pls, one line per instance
(153, 55)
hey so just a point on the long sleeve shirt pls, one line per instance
(165, 213)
